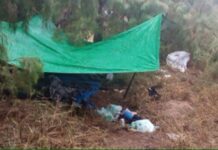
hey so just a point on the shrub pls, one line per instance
(213, 71)
(19, 82)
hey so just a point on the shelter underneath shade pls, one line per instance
(135, 50)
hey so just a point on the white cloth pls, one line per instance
(178, 60)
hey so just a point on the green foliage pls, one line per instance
(7, 87)
(188, 25)
(14, 81)
(22, 10)
(32, 70)
(3, 51)
(19, 82)
(213, 71)
(77, 18)
(214, 57)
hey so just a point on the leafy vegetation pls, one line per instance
(187, 25)
(19, 82)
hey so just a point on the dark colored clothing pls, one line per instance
(135, 118)
(130, 120)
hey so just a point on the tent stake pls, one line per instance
(129, 85)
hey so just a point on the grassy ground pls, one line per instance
(27, 124)
(186, 113)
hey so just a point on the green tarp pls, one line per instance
(136, 50)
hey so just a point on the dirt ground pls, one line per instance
(187, 114)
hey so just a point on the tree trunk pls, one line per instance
(100, 20)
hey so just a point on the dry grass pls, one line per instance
(187, 109)
(30, 124)
(193, 117)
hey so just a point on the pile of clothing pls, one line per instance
(78, 93)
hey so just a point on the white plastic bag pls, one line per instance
(111, 112)
(110, 76)
(178, 60)
(115, 110)
(143, 125)
(105, 114)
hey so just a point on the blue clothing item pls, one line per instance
(83, 96)
(127, 114)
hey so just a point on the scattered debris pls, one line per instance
(175, 137)
(178, 60)
(111, 112)
(143, 126)
(163, 71)
(119, 91)
(167, 76)
(163, 74)
(153, 93)
(126, 117)
(110, 76)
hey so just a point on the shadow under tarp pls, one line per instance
(69, 88)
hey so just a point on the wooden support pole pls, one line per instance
(129, 85)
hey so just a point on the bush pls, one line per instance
(213, 71)
(28, 77)
(16, 82)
